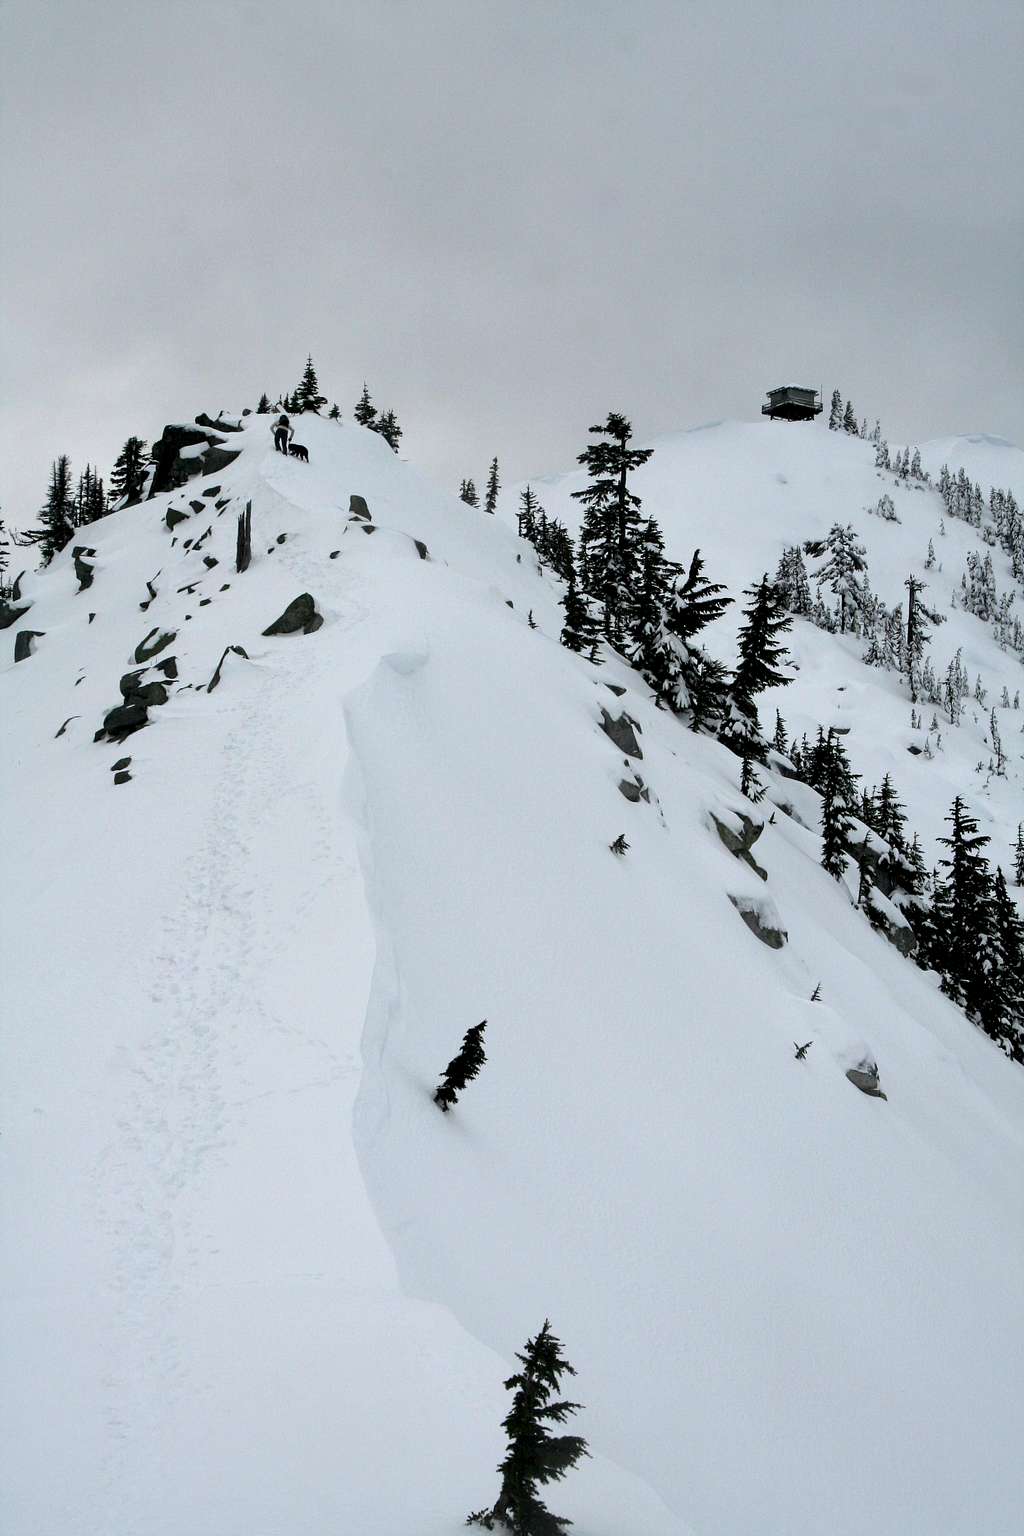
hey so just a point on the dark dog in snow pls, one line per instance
(298, 452)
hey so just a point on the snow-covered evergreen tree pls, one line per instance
(365, 412)
(57, 515)
(308, 393)
(463, 1068)
(128, 476)
(835, 415)
(761, 652)
(493, 487)
(610, 537)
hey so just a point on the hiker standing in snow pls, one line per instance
(283, 434)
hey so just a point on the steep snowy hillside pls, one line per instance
(255, 1283)
(744, 491)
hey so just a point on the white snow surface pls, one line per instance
(255, 1284)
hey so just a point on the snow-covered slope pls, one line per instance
(255, 1284)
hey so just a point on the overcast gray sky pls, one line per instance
(510, 216)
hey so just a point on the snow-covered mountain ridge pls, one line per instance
(256, 1283)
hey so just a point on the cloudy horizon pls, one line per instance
(508, 218)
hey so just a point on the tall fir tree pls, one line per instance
(791, 580)
(535, 1456)
(1002, 1009)
(672, 662)
(1018, 855)
(389, 430)
(960, 947)
(581, 630)
(57, 515)
(128, 476)
(493, 487)
(463, 1068)
(365, 412)
(850, 419)
(761, 653)
(5, 558)
(835, 415)
(90, 499)
(844, 566)
(529, 514)
(838, 799)
(308, 393)
(610, 537)
(263, 408)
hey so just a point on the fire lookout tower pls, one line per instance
(791, 403)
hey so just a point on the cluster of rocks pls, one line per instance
(177, 455)
(140, 690)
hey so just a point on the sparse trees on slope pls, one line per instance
(128, 476)
(791, 580)
(610, 537)
(493, 487)
(535, 1456)
(463, 1068)
(334, 414)
(389, 430)
(1002, 1010)
(850, 420)
(90, 498)
(1018, 856)
(308, 393)
(5, 544)
(468, 494)
(529, 514)
(838, 797)
(582, 629)
(673, 664)
(960, 949)
(263, 408)
(57, 516)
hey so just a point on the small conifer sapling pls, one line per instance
(462, 1068)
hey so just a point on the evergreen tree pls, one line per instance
(535, 1456)
(1018, 855)
(90, 499)
(760, 653)
(529, 515)
(838, 796)
(468, 494)
(57, 516)
(493, 487)
(334, 414)
(890, 816)
(308, 393)
(365, 411)
(128, 476)
(610, 537)
(389, 430)
(669, 659)
(581, 630)
(463, 1068)
(849, 419)
(263, 409)
(708, 688)
(960, 947)
(916, 634)
(5, 545)
(846, 562)
(835, 415)
(779, 741)
(1002, 1009)
(791, 580)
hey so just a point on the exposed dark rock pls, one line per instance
(23, 642)
(122, 778)
(83, 570)
(216, 458)
(210, 561)
(237, 650)
(300, 615)
(173, 516)
(91, 617)
(915, 751)
(67, 722)
(16, 587)
(190, 588)
(334, 554)
(865, 1077)
(740, 843)
(10, 615)
(148, 648)
(220, 505)
(615, 688)
(421, 548)
(197, 506)
(219, 425)
(372, 528)
(762, 918)
(204, 602)
(169, 667)
(126, 718)
(357, 507)
(630, 789)
(622, 732)
(226, 587)
(281, 538)
(122, 762)
(212, 490)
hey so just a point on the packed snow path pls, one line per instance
(256, 1285)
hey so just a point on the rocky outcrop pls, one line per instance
(300, 617)
(83, 570)
(148, 648)
(23, 643)
(174, 464)
(634, 790)
(865, 1077)
(357, 508)
(9, 614)
(762, 918)
(622, 731)
(236, 650)
(739, 841)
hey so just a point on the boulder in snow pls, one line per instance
(23, 647)
(865, 1077)
(299, 617)
(761, 916)
(622, 731)
(740, 838)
